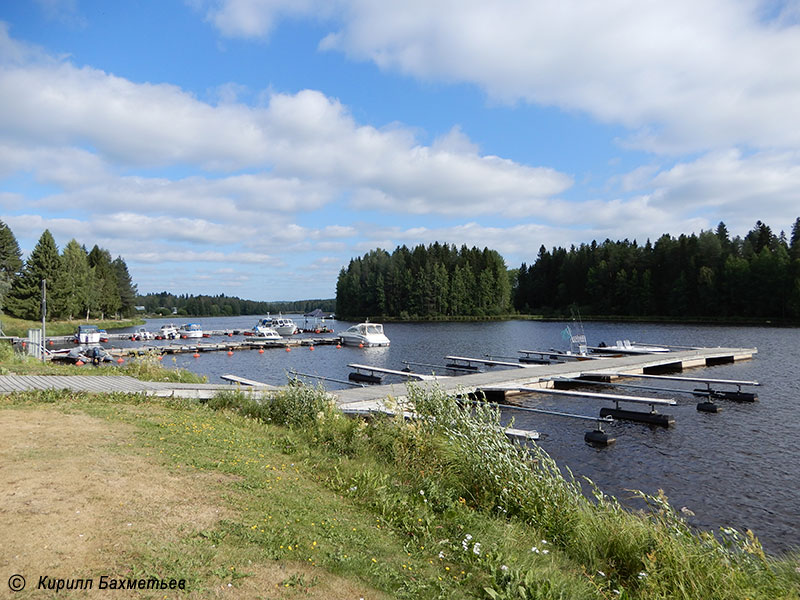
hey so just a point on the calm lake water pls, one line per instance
(739, 467)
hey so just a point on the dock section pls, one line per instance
(534, 375)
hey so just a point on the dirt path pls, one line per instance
(78, 499)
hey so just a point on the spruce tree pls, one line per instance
(10, 260)
(74, 281)
(108, 300)
(125, 286)
(24, 299)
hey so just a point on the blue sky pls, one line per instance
(252, 147)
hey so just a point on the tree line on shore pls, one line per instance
(705, 275)
(164, 303)
(423, 282)
(80, 283)
(709, 274)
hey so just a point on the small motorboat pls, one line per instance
(168, 332)
(262, 332)
(626, 347)
(87, 334)
(142, 335)
(365, 334)
(283, 325)
(190, 331)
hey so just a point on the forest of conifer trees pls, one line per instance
(433, 281)
(705, 275)
(692, 276)
(80, 284)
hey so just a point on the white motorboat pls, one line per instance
(283, 325)
(142, 335)
(168, 332)
(190, 331)
(365, 334)
(87, 334)
(626, 347)
(262, 332)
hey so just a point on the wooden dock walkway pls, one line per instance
(107, 384)
(541, 375)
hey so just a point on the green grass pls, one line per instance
(146, 368)
(439, 507)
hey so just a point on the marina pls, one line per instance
(733, 468)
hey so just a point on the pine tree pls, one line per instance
(24, 299)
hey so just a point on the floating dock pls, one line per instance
(541, 376)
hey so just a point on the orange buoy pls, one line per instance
(311, 348)
(230, 335)
(79, 363)
(361, 345)
(50, 342)
(196, 355)
(338, 346)
(261, 351)
(160, 357)
(120, 361)
(288, 349)
(230, 352)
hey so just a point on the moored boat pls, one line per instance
(283, 325)
(365, 334)
(168, 332)
(190, 330)
(87, 334)
(142, 334)
(262, 332)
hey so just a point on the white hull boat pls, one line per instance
(168, 332)
(87, 334)
(365, 334)
(262, 332)
(190, 331)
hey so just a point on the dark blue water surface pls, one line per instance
(739, 468)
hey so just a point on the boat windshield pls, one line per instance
(374, 328)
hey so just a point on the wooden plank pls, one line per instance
(612, 397)
(244, 381)
(675, 378)
(407, 374)
(488, 362)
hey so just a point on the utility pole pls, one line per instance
(44, 314)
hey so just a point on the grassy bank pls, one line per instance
(146, 368)
(19, 327)
(288, 498)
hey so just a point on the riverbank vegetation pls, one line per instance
(145, 367)
(19, 327)
(290, 498)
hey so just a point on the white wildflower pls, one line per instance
(503, 568)
(468, 537)
(441, 554)
(617, 592)
(422, 492)
(601, 574)
(642, 574)
(545, 551)
(477, 548)
(535, 549)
